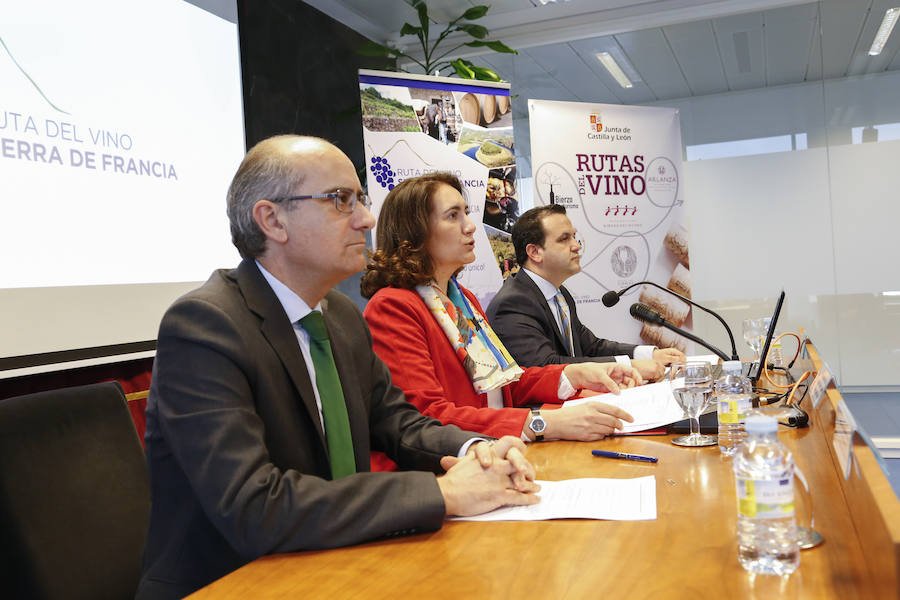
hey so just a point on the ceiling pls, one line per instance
(671, 49)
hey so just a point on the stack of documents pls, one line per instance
(652, 405)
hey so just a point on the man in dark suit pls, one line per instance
(252, 447)
(535, 315)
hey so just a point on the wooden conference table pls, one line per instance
(689, 551)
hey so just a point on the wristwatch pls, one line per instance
(537, 425)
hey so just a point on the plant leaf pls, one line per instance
(493, 45)
(371, 48)
(476, 31)
(476, 12)
(484, 73)
(462, 69)
(423, 18)
(408, 29)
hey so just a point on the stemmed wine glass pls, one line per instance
(692, 386)
(755, 332)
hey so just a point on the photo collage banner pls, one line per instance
(416, 124)
(617, 170)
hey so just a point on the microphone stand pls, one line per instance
(734, 354)
(646, 314)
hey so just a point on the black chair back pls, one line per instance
(74, 495)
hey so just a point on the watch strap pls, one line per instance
(538, 435)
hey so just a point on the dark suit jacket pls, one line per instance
(238, 463)
(520, 315)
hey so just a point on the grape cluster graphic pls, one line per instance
(384, 175)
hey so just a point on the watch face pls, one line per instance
(537, 424)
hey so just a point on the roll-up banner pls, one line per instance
(617, 170)
(415, 124)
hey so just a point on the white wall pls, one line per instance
(822, 223)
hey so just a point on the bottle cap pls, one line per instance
(731, 365)
(760, 424)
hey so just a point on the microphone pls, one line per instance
(644, 313)
(611, 298)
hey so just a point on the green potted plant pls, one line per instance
(435, 59)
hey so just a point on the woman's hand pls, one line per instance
(586, 422)
(602, 377)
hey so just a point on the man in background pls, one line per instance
(433, 116)
(266, 395)
(535, 315)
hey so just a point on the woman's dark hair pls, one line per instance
(401, 259)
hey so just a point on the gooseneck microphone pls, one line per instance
(611, 298)
(644, 313)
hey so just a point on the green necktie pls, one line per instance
(334, 410)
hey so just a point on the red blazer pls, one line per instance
(424, 365)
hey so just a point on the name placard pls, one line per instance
(819, 384)
(844, 426)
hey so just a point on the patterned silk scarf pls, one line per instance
(481, 352)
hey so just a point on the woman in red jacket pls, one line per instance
(432, 334)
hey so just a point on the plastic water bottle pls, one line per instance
(764, 475)
(776, 358)
(734, 398)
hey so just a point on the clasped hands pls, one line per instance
(490, 475)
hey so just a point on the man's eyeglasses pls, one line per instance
(344, 200)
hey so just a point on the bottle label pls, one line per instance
(775, 354)
(765, 499)
(734, 410)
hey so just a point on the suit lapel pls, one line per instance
(529, 287)
(280, 334)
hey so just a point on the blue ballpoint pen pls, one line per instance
(625, 456)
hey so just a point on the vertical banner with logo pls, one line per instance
(416, 124)
(617, 170)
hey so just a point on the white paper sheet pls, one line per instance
(710, 358)
(588, 498)
(652, 405)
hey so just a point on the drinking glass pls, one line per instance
(749, 327)
(755, 331)
(807, 536)
(692, 386)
